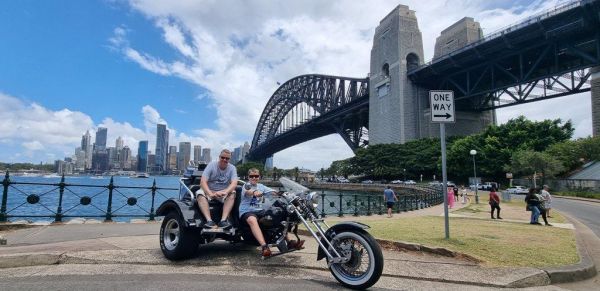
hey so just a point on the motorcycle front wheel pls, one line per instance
(365, 265)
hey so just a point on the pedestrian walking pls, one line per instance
(390, 199)
(532, 203)
(494, 203)
(547, 199)
(450, 197)
(463, 191)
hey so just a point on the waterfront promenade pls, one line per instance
(89, 247)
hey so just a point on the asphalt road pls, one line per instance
(587, 213)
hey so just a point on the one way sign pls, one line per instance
(442, 106)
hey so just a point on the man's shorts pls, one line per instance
(257, 213)
(390, 204)
(222, 200)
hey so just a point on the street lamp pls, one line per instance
(473, 153)
(404, 170)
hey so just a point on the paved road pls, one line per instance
(586, 212)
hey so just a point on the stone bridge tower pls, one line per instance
(398, 109)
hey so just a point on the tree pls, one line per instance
(242, 169)
(528, 162)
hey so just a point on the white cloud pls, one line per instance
(33, 145)
(239, 50)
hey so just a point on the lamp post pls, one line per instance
(404, 170)
(473, 153)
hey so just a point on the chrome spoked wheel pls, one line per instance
(365, 260)
(171, 234)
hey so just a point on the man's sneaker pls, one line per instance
(210, 224)
(224, 224)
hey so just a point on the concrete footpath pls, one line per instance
(90, 242)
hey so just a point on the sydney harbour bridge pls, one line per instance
(552, 54)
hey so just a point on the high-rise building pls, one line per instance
(113, 158)
(236, 155)
(197, 153)
(142, 158)
(172, 165)
(184, 155)
(162, 145)
(100, 161)
(119, 143)
(245, 151)
(125, 158)
(87, 147)
(79, 160)
(206, 155)
(269, 163)
(101, 136)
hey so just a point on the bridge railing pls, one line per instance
(507, 29)
(61, 200)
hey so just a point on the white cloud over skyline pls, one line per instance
(239, 50)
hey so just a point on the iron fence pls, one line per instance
(61, 200)
(68, 200)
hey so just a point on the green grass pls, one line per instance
(592, 195)
(494, 243)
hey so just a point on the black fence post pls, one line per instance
(5, 184)
(369, 205)
(323, 204)
(355, 205)
(110, 187)
(341, 213)
(152, 214)
(61, 191)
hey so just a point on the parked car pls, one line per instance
(517, 190)
(410, 182)
(397, 182)
(343, 180)
(435, 183)
(367, 182)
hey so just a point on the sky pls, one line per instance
(204, 68)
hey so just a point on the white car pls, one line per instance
(397, 182)
(367, 182)
(410, 182)
(517, 190)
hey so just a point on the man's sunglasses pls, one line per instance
(225, 158)
(254, 176)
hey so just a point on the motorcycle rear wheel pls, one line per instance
(366, 260)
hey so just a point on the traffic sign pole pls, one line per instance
(445, 179)
(442, 112)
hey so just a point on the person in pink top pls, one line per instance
(494, 203)
(450, 197)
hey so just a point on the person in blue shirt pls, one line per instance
(390, 199)
(251, 209)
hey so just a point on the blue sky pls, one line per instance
(205, 68)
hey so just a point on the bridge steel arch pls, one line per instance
(311, 106)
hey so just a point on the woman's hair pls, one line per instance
(493, 189)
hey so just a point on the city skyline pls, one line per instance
(205, 70)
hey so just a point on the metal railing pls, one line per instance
(60, 200)
(368, 204)
(69, 200)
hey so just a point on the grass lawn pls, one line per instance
(495, 243)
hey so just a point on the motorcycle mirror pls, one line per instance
(247, 186)
(313, 197)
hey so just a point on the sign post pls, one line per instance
(442, 112)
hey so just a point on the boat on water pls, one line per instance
(97, 177)
(141, 175)
(52, 176)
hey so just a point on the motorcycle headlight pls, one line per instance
(313, 197)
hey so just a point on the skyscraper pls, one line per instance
(245, 150)
(119, 143)
(142, 158)
(206, 155)
(172, 165)
(236, 155)
(197, 153)
(184, 155)
(86, 147)
(162, 145)
(101, 135)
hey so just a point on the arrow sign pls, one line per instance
(442, 106)
(447, 115)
